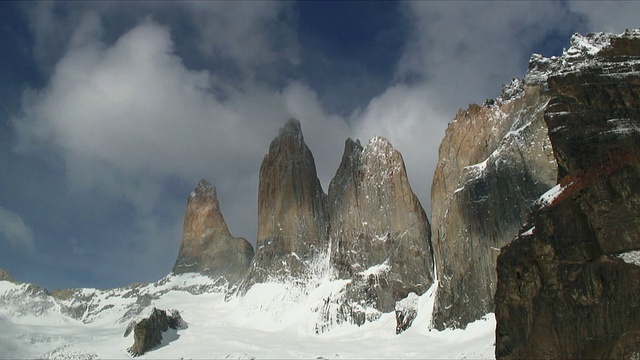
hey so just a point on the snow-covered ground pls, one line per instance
(272, 320)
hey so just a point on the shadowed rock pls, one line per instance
(147, 333)
(494, 162)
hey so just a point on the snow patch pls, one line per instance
(529, 232)
(631, 257)
(552, 194)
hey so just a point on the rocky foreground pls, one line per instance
(569, 285)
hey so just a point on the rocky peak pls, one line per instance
(293, 130)
(585, 52)
(207, 246)
(6, 276)
(568, 284)
(292, 216)
(494, 162)
(205, 191)
(377, 222)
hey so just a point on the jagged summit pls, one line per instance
(291, 130)
(6, 276)
(204, 189)
(292, 126)
(585, 52)
(207, 246)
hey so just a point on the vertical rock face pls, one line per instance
(380, 235)
(569, 284)
(292, 216)
(494, 161)
(207, 246)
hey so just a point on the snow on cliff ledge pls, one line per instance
(582, 53)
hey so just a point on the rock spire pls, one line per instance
(207, 245)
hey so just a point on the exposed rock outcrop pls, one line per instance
(207, 245)
(569, 284)
(406, 312)
(292, 211)
(494, 162)
(380, 235)
(6, 276)
(147, 333)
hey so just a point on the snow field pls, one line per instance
(273, 320)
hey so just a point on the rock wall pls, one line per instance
(380, 235)
(207, 245)
(292, 211)
(569, 284)
(494, 161)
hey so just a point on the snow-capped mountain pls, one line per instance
(354, 273)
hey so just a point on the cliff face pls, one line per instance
(292, 216)
(494, 161)
(207, 246)
(569, 284)
(380, 235)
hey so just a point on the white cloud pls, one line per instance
(608, 16)
(126, 117)
(251, 33)
(466, 50)
(414, 123)
(15, 231)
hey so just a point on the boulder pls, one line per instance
(147, 333)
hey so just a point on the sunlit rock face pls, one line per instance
(494, 161)
(569, 284)
(207, 245)
(292, 211)
(380, 235)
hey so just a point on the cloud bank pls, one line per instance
(139, 109)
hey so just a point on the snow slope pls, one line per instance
(273, 320)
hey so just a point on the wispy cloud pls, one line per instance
(15, 231)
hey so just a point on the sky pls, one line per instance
(111, 112)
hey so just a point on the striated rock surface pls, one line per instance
(380, 235)
(494, 162)
(569, 284)
(292, 211)
(207, 245)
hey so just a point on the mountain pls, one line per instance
(380, 235)
(568, 284)
(207, 246)
(495, 160)
(554, 161)
(292, 212)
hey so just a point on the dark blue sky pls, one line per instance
(112, 111)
